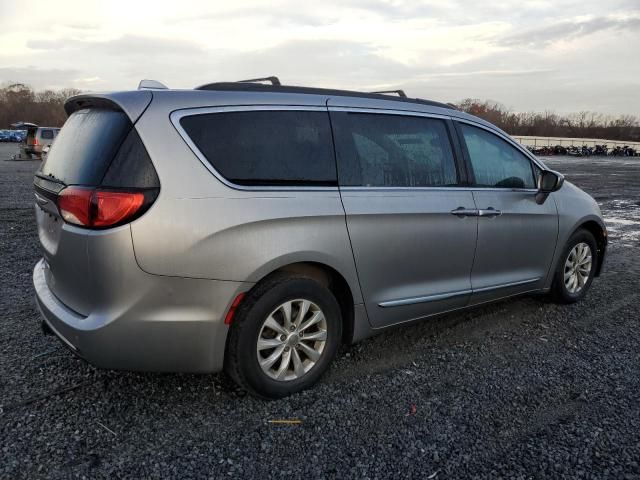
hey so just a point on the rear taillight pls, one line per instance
(102, 208)
(113, 208)
(35, 142)
(75, 205)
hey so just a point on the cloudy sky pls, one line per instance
(562, 55)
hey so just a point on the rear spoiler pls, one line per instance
(133, 103)
(23, 125)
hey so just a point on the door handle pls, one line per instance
(464, 212)
(489, 212)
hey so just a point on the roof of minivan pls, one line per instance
(261, 87)
(135, 102)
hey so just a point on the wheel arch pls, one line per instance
(594, 225)
(330, 278)
(599, 231)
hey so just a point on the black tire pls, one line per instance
(559, 292)
(241, 359)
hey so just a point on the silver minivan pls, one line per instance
(254, 228)
(39, 139)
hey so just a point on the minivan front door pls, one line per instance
(516, 236)
(412, 242)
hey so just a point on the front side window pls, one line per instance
(378, 150)
(266, 147)
(495, 163)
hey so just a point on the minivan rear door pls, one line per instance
(98, 147)
(81, 155)
(412, 228)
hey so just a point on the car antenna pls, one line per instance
(273, 79)
(400, 93)
(151, 85)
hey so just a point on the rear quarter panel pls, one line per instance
(201, 228)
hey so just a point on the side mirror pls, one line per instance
(548, 181)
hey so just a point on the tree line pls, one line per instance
(19, 102)
(549, 124)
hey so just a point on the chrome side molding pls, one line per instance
(445, 296)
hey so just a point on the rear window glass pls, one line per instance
(46, 134)
(266, 147)
(85, 146)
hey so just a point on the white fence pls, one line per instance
(569, 142)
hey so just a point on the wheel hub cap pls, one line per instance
(577, 267)
(292, 340)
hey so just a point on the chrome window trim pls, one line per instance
(422, 189)
(406, 113)
(177, 115)
(445, 296)
(387, 111)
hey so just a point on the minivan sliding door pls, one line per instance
(412, 230)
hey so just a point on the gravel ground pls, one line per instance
(519, 389)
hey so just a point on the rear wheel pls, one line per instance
(283, 337)
(576, 268)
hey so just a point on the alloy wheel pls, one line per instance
(577, 267)
(291, 340)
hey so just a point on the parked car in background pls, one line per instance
(254, 228)
(12, 135)
(18, 135)
(38, 138)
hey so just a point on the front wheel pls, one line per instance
(576, 268)
(283, 337)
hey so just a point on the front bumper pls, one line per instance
(157, 332)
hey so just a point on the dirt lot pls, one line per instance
(521, 389)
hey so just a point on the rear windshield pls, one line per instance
(85, 146)
(266, 147)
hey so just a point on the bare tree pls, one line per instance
(583, 124)
(19, 102)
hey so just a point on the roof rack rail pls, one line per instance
(273, 79)
(264, 87)
(400, 93)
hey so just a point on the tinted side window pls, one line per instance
(131, 166)
(495, 163)
(46, 134)
(266, 147)
(392, 151)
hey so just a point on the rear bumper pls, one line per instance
(174, 325)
